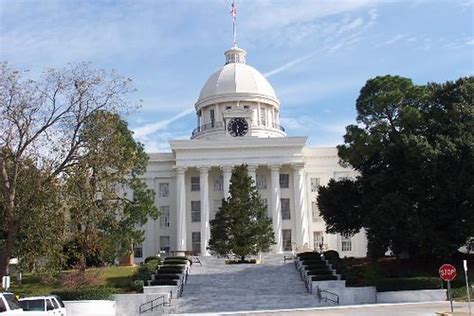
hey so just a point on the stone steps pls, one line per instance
(217, 287)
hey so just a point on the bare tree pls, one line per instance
(40, 121)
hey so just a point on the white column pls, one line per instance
(180, 209)
(227, 173)
(301, 214)
(204, 191)
(276, 207)
(252, 171)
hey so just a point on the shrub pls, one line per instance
(373, 274)
(331, 256)
(145, 270)
(170, 269)
(167, 276)
(86, 293)
(249, 261)
(403, 284)
(308, 254)
(179, 258)
(137, 286)
(175, 261)
(164, 282)
(319, 272)
(323, 277)
(151, 258)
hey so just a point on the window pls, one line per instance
(263, 117)
(55, 304)
(315, 183)
(165, 244)
(3, 308)
(265, 204)
(228, 107)
(195, 211)
(217, 205)
(196, 242)
(138, 251)
(284, 180)
(195, 184)
(346, 242)
(212, 117)
(218, 183)
(49, 305)
(261, 182)
(285, 209)
(164, 216)
(315, 211)
(164, 190)
(318, 241)
(286, 234)
(246, 107)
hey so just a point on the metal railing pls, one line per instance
(327, 296)
(207, 127)
(156, 303)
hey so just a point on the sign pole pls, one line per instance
(467, 287)
(449, 295)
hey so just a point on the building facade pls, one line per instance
(238, 122)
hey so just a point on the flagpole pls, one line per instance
(234, 26)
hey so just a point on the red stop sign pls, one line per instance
(447, 272)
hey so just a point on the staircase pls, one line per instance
(217, 287)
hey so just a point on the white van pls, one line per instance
(43, 306)
(9, 305)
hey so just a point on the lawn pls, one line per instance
(117, 277)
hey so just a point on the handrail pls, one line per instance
(207, 127)
(153, 304)
(334, 299)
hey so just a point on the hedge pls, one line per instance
(137, 286)
(151, 258)
(331, 256)
(319, 272)
(405, 284)
(179, 258)
(89, 293)
(167, 276)
(323, 277)
(164, 282)
(308, 254)
(238, 261)
(175, 261)
(170, 269)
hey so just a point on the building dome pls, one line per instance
(236, 78)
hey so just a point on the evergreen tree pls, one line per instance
(241, 226)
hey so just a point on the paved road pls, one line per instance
(407, 309)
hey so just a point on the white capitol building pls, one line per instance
(238, 121)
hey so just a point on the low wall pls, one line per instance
(90, 308)
(411, 296)
(162, 289)
(129, 304)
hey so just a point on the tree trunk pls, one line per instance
(6, 251)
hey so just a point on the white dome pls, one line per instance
(236, 78)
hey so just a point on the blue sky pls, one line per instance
(316, 54)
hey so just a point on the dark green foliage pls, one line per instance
(175, 261)
(413, 148)
(171, 269)
(164, 282)
(167, 276)
(146, 269)
(179, 258)
(241, 226)
(86, 293)
(137, 286)
(323, 277)
(319, 272)
(331, 256)
(150, 258)
(311, 254)
(402, 284)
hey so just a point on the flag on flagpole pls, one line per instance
(233, 10)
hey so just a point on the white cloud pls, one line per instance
(143, 131)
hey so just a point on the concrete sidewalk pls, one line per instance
(405, 309)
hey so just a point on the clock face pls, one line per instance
(237, 126)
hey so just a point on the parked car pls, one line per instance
(9, 305)
(43, 306)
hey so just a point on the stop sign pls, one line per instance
(447, 272)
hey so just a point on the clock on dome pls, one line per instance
(237, 126)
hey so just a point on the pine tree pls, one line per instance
(241, 226)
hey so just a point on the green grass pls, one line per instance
(32, 285)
